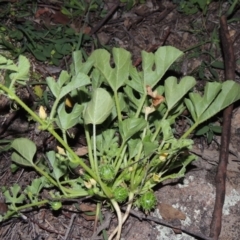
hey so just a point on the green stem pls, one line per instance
(140, 106)
(64, 135)
(197, 45)
(159, 127)
(12, 95)
(124, 218)
(95, 148)
(143, 136)
(57, 184)
(189, 131)
(103, 186)
(54, 109)
(119, 114)
(49, 128)
(62, 188)
(89, 145)
(119, 216)
(46, 125)
(230, 10)
(12, 84)
(9, 214)
(43, 173)
(120, 156)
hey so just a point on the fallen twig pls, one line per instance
(70, 226)
(142, 216)
(101, 23)
(103, 226)
(229, 62)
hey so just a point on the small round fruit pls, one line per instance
(120, 194)
(56, 205)
(107, 172)
(148, 201)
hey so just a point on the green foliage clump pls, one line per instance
(128, 117)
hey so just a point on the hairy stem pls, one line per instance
(124, 218)
(118, 230)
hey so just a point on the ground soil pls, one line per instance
(144, 27)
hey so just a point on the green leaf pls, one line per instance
(14, 196)
(182, 171)
(97, 78)
(57, 88)
(202, 103)
(149, 146)
(99, 108)
(203, 130)
(105, 139)
(209, 137)
(191, 108)
(166, 130)
(23, 69)
(133, 147)
(4, 60)
(77, 81)
(229, 94)
(178, 144)
(175, 112)
(78, 64)
(217, 64)
(38, 54)
(131, 126)
(216, 129)
(53, 86)
(174, 92)
(117, 76)
(7, 64)
(129, 92)
(25, 151)
(136, 81)
(63, 78)
(34, 189)
(155, 65)
(59, 168)
(68, 120)
(5, 145)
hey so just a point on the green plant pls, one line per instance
(131, 3)
(209, 131)
(128, 128)
(45, 42)
(192, 6)
(76, 8)
(50, 44)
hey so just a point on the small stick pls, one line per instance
(101, 23)
(105, 225)
(229, 61)
(141, 217)
(70, 226)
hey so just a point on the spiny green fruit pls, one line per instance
(148, 201)
(106, 172)
(56, 205)
(120, 194)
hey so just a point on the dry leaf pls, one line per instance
(87, 208)
(172, 215)
(81, 151)
(169, 213)
(156, 98)
(61, 151)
